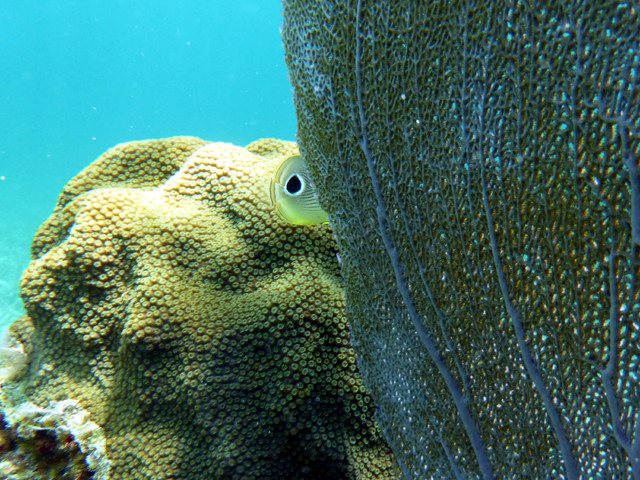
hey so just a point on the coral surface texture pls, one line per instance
(479, 163)
(199, 333)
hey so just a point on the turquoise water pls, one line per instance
(78, 77)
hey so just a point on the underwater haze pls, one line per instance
(78, 77)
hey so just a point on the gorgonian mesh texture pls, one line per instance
(479, 162)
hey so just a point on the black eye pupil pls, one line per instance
(293, 185)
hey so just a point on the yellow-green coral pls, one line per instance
(206, 336)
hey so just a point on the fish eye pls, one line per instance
(294, 185)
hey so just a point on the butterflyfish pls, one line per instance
(294, 195)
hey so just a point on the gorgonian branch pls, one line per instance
(383, 221)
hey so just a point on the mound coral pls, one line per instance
(203, 335)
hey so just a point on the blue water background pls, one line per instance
(78, 77)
